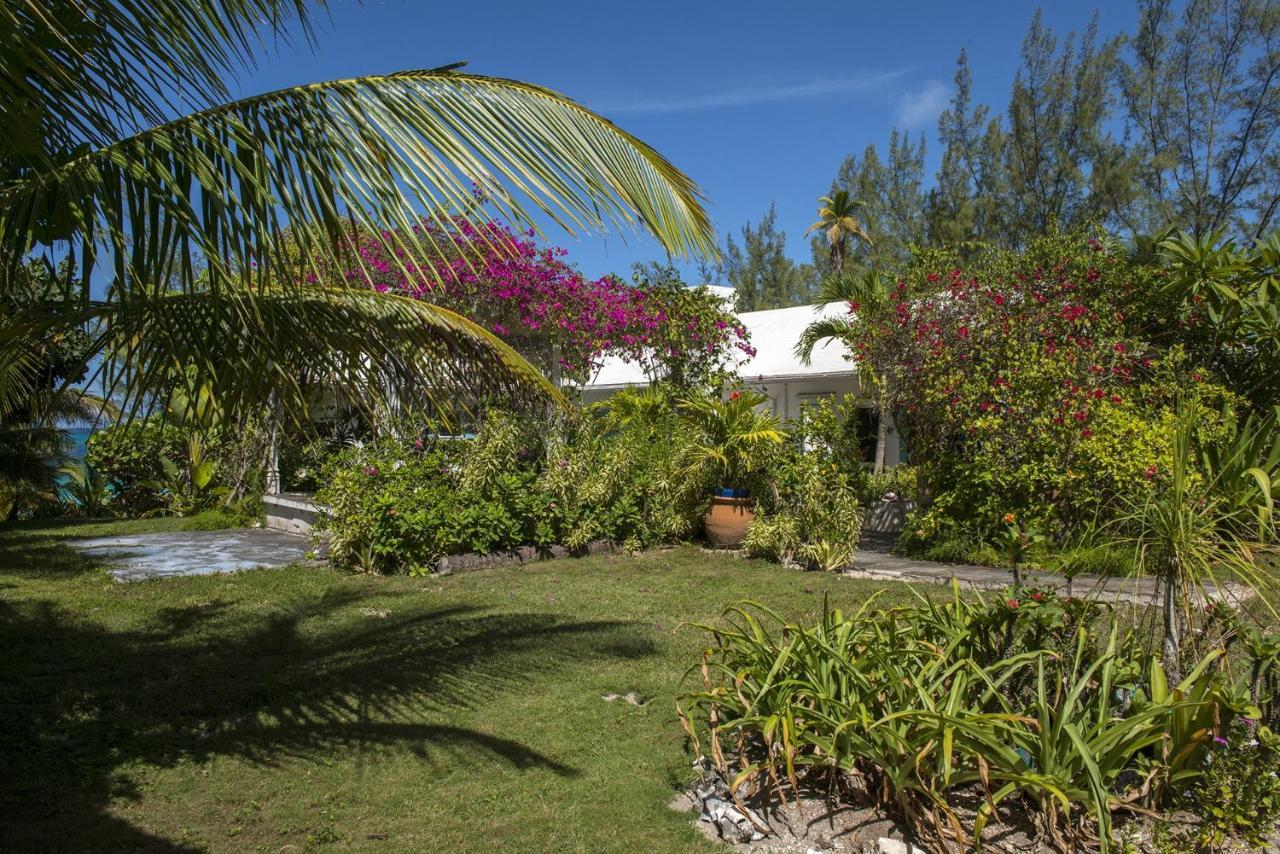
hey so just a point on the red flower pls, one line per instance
(1012, 603)
(1086, 433)
(1152, 471)
(735, 395)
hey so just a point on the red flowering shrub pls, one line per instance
(530, 296)
(1018, 385)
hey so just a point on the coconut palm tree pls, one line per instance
(193, 223)
(864, 293)
(838, 222)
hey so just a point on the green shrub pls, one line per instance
(153, 466)
(899, 481)
(390, 507)
(400, 506)
(129, 457)
(813, 517)
(1239, 795)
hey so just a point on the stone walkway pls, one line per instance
(872, 562)
(143, 556)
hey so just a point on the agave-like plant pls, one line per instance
(1232, 293)
(191, 239)
(907, 701)
(1185, 533)
(1244, 466)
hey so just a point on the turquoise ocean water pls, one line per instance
(79, 435)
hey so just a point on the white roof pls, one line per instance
(774, 334)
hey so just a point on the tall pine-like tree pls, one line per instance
(1177, 126)
(1201, 90)
(760, 271)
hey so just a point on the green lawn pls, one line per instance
(304, 708)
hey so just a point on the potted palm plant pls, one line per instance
(730, 441)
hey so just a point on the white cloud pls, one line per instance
(921, 106)
(744, 95)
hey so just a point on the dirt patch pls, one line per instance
(851, 823)
(809, 825)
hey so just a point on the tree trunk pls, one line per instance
(273, 463)
(1172, 658)
(882, 432)
(272, 485)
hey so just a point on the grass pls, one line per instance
(303, 708)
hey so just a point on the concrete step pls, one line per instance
(293, 512)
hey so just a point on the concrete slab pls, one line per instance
(163, 555)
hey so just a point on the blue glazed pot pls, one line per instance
(730, 492)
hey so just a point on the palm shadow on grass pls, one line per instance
(33, 549)
(301, 678)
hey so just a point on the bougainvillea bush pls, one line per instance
(532, 297)
(1020, 387)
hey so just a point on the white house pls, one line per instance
(775, 370)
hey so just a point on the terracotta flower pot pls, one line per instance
(727, 520)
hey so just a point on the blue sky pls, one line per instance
(757, 101)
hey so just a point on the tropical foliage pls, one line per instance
(729, 438)
(838, 221)
(402, 505)
(637, 470)
(201, 230)
(1032, 706)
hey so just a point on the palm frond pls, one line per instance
(210, 199)
(19, 361)
(83, 71)
(306, 347)
(824, 329)
(867, 288)
(77, 406)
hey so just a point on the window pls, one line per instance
(861, 422)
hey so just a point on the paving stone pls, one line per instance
(162, 555)
(872, 563)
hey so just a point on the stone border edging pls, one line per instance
(449, 564)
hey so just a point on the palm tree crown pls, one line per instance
(838, 222)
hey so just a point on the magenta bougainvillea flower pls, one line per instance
(529, 295)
